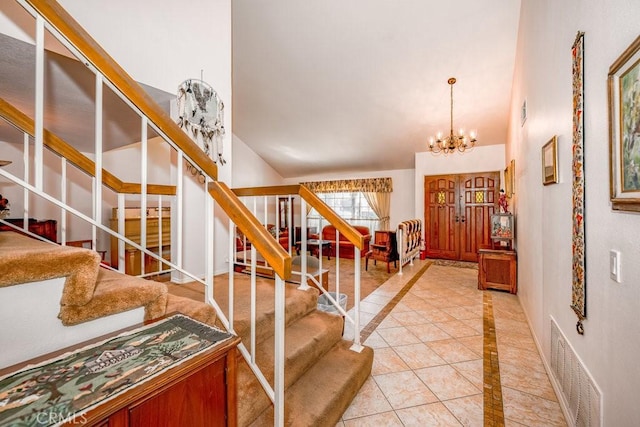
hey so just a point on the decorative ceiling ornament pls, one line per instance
(452, 142)
(201, 113)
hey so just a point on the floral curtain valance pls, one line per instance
(366, 185)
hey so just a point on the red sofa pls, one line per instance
(346, 247)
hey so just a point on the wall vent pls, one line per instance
(579, 391)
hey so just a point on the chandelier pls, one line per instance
(452, 142)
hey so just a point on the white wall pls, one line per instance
(610, 345)
(78, 192)
(401, 197)
(161, 46)
(249, 170)
(487, 158)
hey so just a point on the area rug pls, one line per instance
(460, 264)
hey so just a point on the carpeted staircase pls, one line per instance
(322, 375)
(89, 291)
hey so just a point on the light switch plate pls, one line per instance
(614, 265)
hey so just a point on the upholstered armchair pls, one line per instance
(384, 248)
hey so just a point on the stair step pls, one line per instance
(324, 392)
(196, 310)
(297, 304)
(306, 340)
(115, 293)
(29, 260)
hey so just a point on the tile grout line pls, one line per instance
(493, 405)
(373, 324)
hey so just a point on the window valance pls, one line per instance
(365, 185)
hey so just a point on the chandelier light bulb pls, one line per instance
(452, 142)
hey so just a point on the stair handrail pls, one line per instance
(25, 124)
(59, 19)
(344, 228)
(273, 253)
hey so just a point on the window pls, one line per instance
(351, 206)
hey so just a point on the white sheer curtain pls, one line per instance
(380, 204)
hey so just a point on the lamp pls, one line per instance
(452, 142)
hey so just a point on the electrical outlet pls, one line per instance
(614, 266)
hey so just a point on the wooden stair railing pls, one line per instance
(273, 252)
(56, 144)
(96, 57)
(56, 16)
(345, 229)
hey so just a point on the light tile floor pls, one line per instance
(428, 366)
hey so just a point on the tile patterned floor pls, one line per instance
(430, 356)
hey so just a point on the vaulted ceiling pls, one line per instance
(360, 85)
(325, 85)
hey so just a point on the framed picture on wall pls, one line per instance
(512, 171)
(550, 161)
(507, 181)
(624, 129)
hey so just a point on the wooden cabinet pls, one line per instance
(47, 228)
(158, 239)
(199, 390)
(497, 269)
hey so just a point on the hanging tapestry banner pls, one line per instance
(578, 291)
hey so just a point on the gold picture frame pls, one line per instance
(550, 161)
(624, 120)
(507, 181)
(512, 172)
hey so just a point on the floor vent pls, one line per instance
(580, 393)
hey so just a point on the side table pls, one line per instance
(497, 269)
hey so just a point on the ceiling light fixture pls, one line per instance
(452, 142)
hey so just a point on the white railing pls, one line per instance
(269, 208)
(34, 189)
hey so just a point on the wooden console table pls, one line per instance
(497, 269)
(174, 372)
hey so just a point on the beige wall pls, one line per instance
(610, 346)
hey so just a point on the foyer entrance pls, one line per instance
(457, 212)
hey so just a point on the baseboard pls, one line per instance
(547, 367)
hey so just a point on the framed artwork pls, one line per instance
(502, 226)
(507, 181)
(512, 176)
(578, 246)
(624, 129)
(550, 161)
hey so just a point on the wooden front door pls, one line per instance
(458, 209)
(440, 216)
